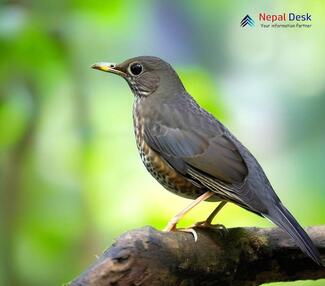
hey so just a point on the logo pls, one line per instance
(279, 20)
(247, 20)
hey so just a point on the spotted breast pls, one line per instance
(159, 168)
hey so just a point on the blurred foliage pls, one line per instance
(70, 176)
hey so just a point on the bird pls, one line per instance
(192, 154)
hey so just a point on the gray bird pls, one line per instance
(194, 155)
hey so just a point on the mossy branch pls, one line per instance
(237, 256)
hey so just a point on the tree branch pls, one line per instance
(237, 256)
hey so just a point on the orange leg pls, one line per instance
(173, 222)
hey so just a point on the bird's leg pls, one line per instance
(173, 222)
(208, 222)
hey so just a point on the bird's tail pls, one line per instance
(284, 219)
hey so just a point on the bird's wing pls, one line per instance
(195, 145)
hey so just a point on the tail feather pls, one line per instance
(284, 219)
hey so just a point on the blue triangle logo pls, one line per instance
(247, 20)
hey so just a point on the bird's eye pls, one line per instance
(136, 69)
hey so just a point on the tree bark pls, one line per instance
(236, 256)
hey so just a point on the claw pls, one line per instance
(192, 231)
(189, 230)
(205, 224)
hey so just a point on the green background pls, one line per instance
(71, 179)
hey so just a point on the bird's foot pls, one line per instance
(206, 224)
(172, 227)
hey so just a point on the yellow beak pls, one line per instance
(108, 67)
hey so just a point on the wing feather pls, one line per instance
(195, 141)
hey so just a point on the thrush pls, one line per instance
(192, 154)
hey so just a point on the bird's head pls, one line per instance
(145, 75)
